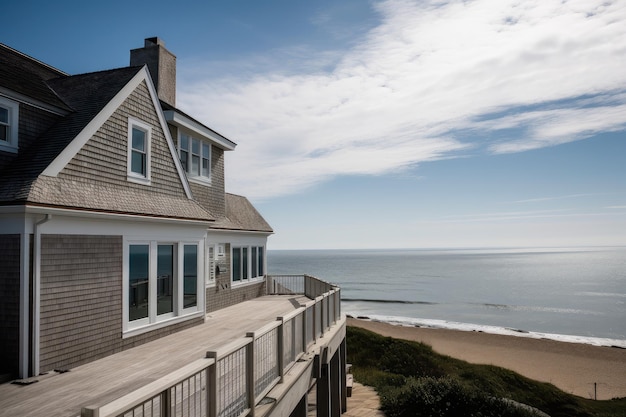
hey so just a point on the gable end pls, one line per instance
(142, 77)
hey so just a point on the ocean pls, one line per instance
(570, 294)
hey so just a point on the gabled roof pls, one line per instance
(86, 94)
(90, 99)
(26, 77)
(241, 215)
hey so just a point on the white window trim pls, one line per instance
(14, 109)
(198, 179)
(132, 176)
(154, 321)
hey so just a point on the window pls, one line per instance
(236, 264)
(138, 151)
(259, 262)
(5, 127)
(139, 265)
(248, 263)
(139, 154)
(190, 277)
(244, 263)
(162, 281)
(255, 264)
(165, 279)
(9, 118)
(195, 157)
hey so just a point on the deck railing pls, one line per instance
(230, 381)
(298, 284)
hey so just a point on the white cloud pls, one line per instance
(427, 70)
(552, 198)
(553, 127)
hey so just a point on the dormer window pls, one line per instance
(139, 134)
(195, 157)
(9, 117)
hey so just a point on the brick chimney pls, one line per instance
(162, 66)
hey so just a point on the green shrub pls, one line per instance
(442, 397)
(392, 367)
(400, 357)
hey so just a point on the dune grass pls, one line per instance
(412, 379)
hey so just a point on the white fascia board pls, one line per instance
(92, 127)
(166, 131)
(113, 216)
(236, 234)
(224, 230)
(185, 122)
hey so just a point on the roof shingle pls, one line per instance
(241, 215)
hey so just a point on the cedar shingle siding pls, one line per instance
(218, 298)
(81, 301)
(212, 198)
(81, 298)
(104, 156)
(9, 303)
(222, 295)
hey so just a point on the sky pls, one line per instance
(387, 124)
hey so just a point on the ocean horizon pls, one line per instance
(568, 294)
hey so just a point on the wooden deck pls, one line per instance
(106, 379)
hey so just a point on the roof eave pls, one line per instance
(38, 208)
(179, 119)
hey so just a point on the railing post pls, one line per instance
(166, 405)
(211, 392)
(304, 344)
(322, 319)
(281, 349)
(293, 340)
(315, 333)
(89, 412)
(327, 313)
(250, 377)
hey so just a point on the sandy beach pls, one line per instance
(572, 367)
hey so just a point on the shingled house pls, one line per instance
(131, 282)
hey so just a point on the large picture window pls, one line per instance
(195, 157)
(162, 281)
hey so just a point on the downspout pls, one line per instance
(25, 269)
(37, 290)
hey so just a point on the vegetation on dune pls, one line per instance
(413, 380)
